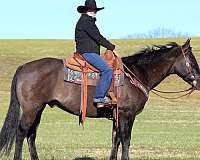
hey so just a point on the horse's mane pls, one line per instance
(149, 55)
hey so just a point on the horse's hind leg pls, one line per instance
(115, 142)
(24, 125)
(22, 130)
(32, 135)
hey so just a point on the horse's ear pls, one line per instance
(187, 43)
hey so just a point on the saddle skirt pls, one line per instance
(75, 66)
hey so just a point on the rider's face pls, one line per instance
(92, 13)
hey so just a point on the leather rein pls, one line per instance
(138, 83)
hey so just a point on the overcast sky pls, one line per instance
(50, 19)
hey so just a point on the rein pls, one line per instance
(182, 91)
(189, 92)
(145, 90)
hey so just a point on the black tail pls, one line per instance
(8, 131)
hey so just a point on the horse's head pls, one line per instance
(186, 66)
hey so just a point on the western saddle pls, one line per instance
(77, 70)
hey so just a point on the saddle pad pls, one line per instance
(74, 76)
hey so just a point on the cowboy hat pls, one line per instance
(89, 4)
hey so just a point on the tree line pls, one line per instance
(159, 33)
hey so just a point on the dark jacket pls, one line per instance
(88, 37)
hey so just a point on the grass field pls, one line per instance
(165, 130)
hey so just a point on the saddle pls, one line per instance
(77, 70)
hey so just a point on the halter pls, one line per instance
(189, 67)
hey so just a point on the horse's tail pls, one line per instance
(8, 131)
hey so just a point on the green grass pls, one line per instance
(166, 129)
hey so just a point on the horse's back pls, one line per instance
(43, 63)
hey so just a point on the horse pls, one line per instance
(38, 83)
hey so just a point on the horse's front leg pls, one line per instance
(126, 119)
(115, 142)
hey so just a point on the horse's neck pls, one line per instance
(152, 74)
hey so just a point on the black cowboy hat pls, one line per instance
(89, 4)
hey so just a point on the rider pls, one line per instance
(88, 41)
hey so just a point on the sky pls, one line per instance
(56, 19)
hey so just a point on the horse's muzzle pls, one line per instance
(196, 83)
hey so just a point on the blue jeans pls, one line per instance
(105, 80)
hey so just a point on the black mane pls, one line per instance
(149, 55)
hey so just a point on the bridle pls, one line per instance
(189, 66)
(137, 82)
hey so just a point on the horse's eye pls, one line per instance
(192, 77)
(187, 64)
